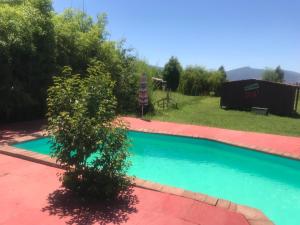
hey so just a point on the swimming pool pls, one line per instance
(263, 181)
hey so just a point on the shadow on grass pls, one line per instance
(65, 204)
(296, 115)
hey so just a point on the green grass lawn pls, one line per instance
(205, 110)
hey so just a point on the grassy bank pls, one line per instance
(205, 110)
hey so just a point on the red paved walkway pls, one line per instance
(30, 195)
(276, 144)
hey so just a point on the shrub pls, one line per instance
(87, 139)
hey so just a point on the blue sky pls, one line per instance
(210, 33)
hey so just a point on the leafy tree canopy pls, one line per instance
(26, 57)
(171, 73)
(223, 72)
(280, 74)
(276, 75)
(79, 41)
(36, 42)
(199, 81)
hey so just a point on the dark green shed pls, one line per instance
(280, 99)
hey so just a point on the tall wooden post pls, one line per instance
(297, 98)
(143, 93)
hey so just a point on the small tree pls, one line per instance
(171, 73)
(86, 137)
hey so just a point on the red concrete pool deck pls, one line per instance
(16, 208)
(30, 194)
(286, 146)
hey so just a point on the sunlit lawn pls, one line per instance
(205, 110)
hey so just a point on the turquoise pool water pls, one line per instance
(263, 181)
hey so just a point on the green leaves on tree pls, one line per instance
(87, 138)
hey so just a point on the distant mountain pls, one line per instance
(244, 73)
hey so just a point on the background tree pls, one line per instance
(26, 58)
(198, 81)
(86, 137)
(171, 73)
(223, 73)
(194, 81)
(142, 66)
(36, 42)
(280, 74)
(273, 75)
(79, 40)
(216, 79)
